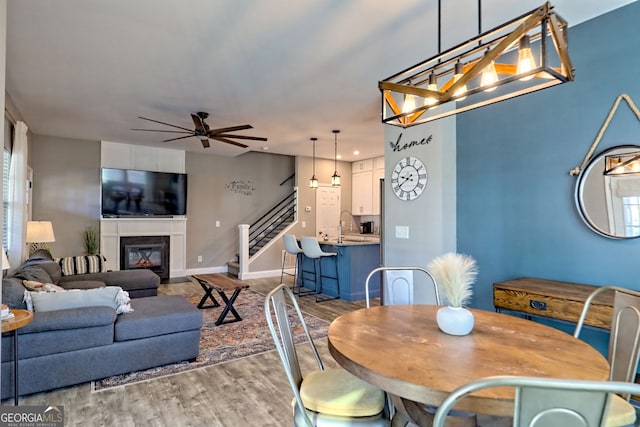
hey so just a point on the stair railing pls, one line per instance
(258, 235)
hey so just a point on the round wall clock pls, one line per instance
(409, 178)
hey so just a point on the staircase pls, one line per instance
(266, 229)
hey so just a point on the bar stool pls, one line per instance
(312, 250)
(291, 248)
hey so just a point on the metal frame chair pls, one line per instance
(313, 251)
(624, 340)
(624, 343)
(545, 402)
(399, 286)
(275, 308)
(291, 247)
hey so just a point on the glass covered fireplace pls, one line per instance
(150, 252)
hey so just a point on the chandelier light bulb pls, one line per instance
(526, 62)
(459, 70)
(409, 103)
(433, 85)
(489, 76)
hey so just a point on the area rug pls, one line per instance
(219, 344)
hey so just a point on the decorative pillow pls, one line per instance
(41, 287)
(82, 264)
(110, 296)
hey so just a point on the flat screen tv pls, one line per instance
(127, 192)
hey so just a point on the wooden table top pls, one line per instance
(220, 281)
(400, 349)
(21, 318)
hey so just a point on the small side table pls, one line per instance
(21, 318)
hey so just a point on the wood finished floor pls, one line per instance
(246, 392)
(249, 392)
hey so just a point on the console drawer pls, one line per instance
(553, 299)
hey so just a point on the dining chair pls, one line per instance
(398, 285)
(624, 345)
(313, 251)
(398, 288)
(547, 402)
(291, 247)
(326, 396)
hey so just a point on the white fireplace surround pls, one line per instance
(111, 229)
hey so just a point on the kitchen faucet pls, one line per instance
(353, 220)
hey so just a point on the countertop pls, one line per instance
(353, 240)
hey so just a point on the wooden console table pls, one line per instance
(554, 300)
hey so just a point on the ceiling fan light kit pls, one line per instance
(526, 54)
(203, 132)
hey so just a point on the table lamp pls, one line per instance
(39, 233)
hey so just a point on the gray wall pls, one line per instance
(431, 218)
(67, 192)
(209, 200)
(66, 189)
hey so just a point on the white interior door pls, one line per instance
(327, 210)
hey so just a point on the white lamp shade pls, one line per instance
(40, 232)
(5, 260)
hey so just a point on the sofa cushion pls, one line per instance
(13, 292)
(110, 296)
(61, 331)
(129, 280)
(159, 315)
(82, 264)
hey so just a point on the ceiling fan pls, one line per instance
(204, 133)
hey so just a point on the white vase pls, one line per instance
(455, 320)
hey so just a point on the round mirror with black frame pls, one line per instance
(607, 193)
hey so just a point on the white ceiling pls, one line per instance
(293, 69)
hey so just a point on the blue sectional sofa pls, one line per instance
(76, 345)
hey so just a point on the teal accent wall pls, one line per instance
(516, 213)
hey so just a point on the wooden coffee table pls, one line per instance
(220, 283)
(21, 318)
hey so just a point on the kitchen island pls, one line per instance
(357, 256)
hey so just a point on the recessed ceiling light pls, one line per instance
(355, 153)
(265, 148)
(339, 156)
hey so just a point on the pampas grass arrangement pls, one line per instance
(455, 274)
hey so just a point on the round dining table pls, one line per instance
(400, 349)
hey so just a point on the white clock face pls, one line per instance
(409, 178)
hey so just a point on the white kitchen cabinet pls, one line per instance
(362, 193)
(365, 186)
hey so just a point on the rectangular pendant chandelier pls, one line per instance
(526, 54)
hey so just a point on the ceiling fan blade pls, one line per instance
(228, 141)
(166, 124)
(205, 142)
(255, 138)
(170, 131)
(229, 129)
(180, 137)
(199, 123)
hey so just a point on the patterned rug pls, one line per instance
(219, 344)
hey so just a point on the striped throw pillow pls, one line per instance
(82, 264)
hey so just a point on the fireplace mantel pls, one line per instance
(111, 229)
